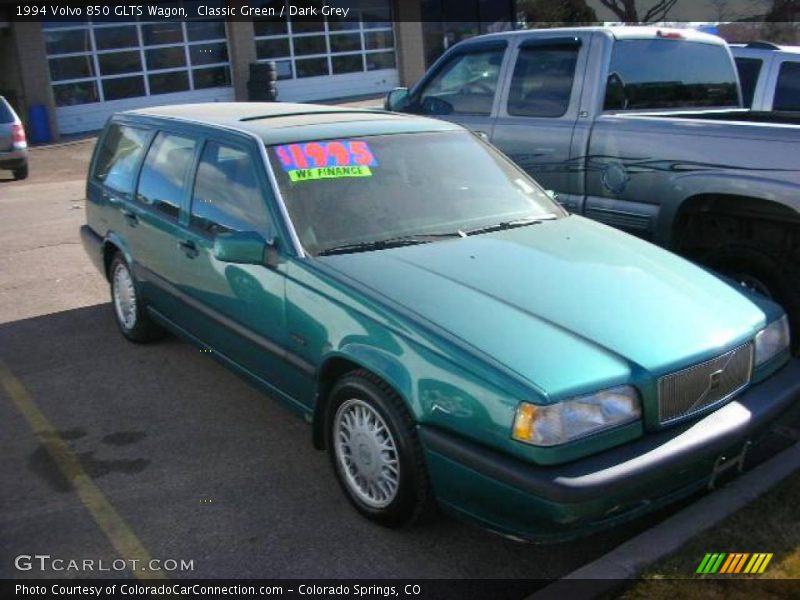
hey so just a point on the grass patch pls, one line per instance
(769, 524)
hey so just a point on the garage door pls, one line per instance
(333, 57)
(97, 69)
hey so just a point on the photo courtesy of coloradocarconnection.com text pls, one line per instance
(400, 299)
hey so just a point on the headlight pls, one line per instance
(576, 418)
(771, 340)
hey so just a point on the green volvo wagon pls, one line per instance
(453, 336)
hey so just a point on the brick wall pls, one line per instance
(409, 42)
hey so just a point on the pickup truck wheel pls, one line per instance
(375, 452)
(760, 271)
(21, 173)
(129, 309)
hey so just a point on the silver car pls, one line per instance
(13, 143)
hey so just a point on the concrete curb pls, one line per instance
(629, 558)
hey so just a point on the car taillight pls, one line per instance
(18, 135)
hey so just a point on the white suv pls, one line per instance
(770, 75)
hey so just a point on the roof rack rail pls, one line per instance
(313, 112)
(761, 45)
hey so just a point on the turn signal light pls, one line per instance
(524, 421)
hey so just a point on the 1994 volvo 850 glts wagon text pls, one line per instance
(452, 334)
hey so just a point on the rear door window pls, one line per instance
(542, 82)
(119, 156)
(163, 178)
(655, 73)
(749, 70)
(787, 92)
(227, 196)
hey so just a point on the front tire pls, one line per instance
(129, 310)
(375, 451)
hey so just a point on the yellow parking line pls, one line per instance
(105, 515)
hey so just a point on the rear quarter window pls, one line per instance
(118, 156)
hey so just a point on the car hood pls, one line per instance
(569, 304)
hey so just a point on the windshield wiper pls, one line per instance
(396, 242)
(511, 224)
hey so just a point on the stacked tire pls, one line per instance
(263, 83)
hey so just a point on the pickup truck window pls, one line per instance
(542, 81)
(652, 74)
(787, 92)
(161, 183)
(226, 194)
(465, 85)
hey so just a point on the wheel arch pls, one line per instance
(729, 205)
(747, 194)
(112, 244)
(351, 358)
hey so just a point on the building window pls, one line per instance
(303, 48)
(101, 61)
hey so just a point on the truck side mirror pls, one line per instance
(397, 99)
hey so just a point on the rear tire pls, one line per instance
(375, 452)
(129, 309)
(21, 173)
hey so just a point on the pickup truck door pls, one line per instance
(462, 86)
(538, 108)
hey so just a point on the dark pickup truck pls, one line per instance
(640, 128)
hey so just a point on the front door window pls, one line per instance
(465, 85)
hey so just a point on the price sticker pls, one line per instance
(326, 160)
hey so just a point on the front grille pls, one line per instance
(690, 390)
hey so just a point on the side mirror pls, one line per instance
(397, 99)
(246, 248)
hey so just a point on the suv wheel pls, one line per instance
(375, 452)
(129, 310)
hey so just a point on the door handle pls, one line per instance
(188, 248)
(110, 198)
(130, 217)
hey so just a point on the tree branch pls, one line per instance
(659, 11)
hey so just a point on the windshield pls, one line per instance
(652, 74)
(362, 190)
